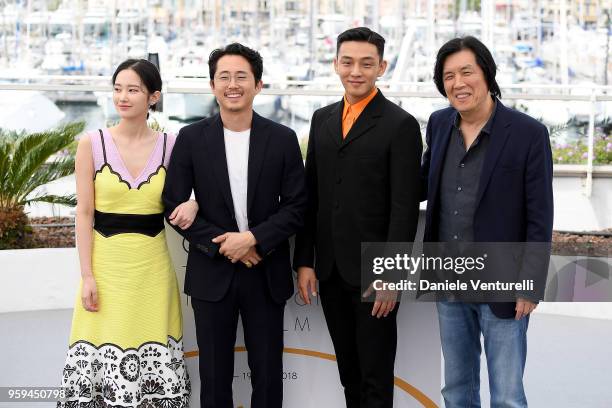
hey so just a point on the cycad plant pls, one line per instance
(28, 161)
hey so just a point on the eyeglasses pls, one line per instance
(226, 78)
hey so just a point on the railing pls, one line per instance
(330, 86)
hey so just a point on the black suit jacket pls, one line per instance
(276, 199)
(515, 196)
(364, 188)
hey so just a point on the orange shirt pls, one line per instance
(350, 113)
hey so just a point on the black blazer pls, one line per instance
(276, 200)
(364, 188)
(515, 196)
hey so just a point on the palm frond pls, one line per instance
(6, 150)
(27, 161)
(69, 200)
(46, 174)
(10, 136)
(32, 151)
(554, 130)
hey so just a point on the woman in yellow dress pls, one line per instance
(126, 345)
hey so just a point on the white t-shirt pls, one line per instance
(237, 156)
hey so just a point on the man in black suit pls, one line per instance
(487, 177)
(362, 176)
(248, 178)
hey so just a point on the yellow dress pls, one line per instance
(130, 352)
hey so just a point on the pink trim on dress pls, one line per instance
(113, 158)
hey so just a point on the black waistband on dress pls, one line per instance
(109, 224)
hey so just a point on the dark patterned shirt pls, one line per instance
(459, 182)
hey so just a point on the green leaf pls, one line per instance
(28, 161)
(6, 150)
(33, 151)
(46, 174)
(69, 200)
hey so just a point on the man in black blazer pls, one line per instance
(248, 178)
(362, 176)
(487, 176)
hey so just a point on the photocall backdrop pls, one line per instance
(310, 375)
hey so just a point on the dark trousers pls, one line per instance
(262, 320)
(365, 346)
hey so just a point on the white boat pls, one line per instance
(551, 113)
(28, 110)
(192, 71)
(267, 105)
(422, 108)
(189, 106)
(105, 101)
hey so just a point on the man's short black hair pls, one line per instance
(249, 54)
(484, 59)
(362, 34)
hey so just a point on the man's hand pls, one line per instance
(235, 245)
(184, 214)
(307, 283)
(384, 303)
(524, 307)
(251, 258)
